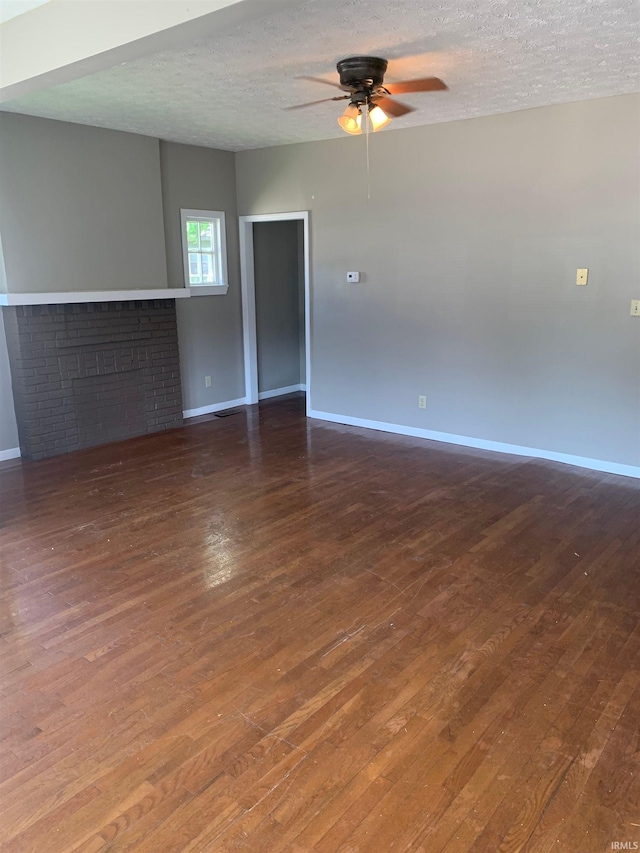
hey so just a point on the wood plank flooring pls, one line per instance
(269, 634)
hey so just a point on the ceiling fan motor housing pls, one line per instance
(361, 74)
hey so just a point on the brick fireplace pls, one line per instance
(91, 373)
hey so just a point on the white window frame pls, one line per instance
(217, 217)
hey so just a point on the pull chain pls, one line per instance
(366, 112)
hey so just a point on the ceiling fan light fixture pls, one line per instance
(378, 118)
(351, 120)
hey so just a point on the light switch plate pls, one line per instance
(353, 277)
(582, 276)
(635, 308)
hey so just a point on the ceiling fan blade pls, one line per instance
(321, 101)
(319, 80)
(392, 108)
(424, 84)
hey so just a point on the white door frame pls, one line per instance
(247, 278)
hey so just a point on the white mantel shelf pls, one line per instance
(93, 296)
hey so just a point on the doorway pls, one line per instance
(274, 269)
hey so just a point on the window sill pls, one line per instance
(208, 289)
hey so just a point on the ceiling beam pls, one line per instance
(65, 40)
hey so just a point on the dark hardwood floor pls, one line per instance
(263, 633)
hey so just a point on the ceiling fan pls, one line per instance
(362, 78)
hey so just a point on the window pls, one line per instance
(204, 250)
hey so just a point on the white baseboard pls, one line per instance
(11, 453)
(214, 407)
(483, 444)
(279, 392)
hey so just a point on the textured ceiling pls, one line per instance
(230, 92)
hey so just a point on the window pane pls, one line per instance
(206, 236)
(207, 269)
(195, 268)
(193, 241)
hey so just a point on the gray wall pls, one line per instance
(278, 327)
(209, 327)
(81, 207)
(469, 248)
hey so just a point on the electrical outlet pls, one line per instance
(207, 382)
(635, 308)
(422, 402)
